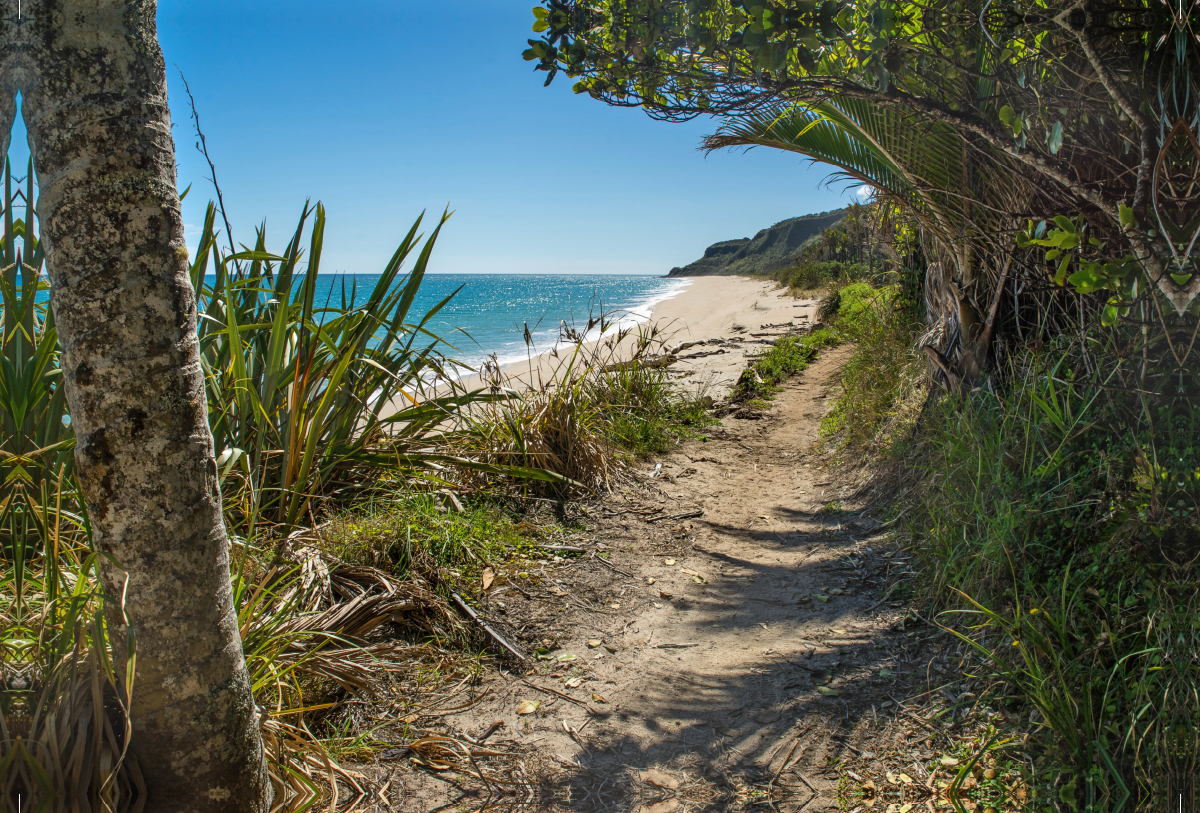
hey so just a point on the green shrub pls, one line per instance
(645, 411)
(399, 531)
(599, 402)
(884, 382)
(788, 356)
(556, 427)
(806, 275)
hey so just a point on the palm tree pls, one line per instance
(956, 191)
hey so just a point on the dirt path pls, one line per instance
(712, 661)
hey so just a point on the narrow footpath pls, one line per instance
(727, 640)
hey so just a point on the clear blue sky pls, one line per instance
(382, 109)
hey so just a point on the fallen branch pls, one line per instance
(684, 515)
(611, 566)
(649, 364)
(556, 694)
(703, 355)
(487, 628)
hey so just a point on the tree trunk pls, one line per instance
(95, 102)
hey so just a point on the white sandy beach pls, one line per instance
(708, 308)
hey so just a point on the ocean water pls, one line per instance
(490, 312)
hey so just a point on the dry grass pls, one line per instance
(605, 394)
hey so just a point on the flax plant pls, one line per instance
(36, 441)
(312, 398)
(67, 673)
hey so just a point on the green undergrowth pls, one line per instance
(882, 386)
(601, 405)
(645, 412)
(1052, 545)
(405, 532)
(788, 356)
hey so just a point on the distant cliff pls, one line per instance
(765, 252)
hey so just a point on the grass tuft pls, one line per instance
(788, 356)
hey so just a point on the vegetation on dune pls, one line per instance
(1041, 506)
(600, 400)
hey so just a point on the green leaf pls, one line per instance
(1054, 139)
(1065, 223)
(1128, 221)
(1061, 275)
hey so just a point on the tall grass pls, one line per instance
(1054, 534)
(604, 394)
(883, 384)
(1052, 512)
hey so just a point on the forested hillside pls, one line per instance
(765, 252)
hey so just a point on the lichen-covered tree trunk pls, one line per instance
(94, 91)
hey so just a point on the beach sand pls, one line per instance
(727, 308)
(708, 308)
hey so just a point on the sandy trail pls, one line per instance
(740, 650)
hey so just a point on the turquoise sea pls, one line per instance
(489, 314)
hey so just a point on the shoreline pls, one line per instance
(728, 309)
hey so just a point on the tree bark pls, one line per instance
(94, 90)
